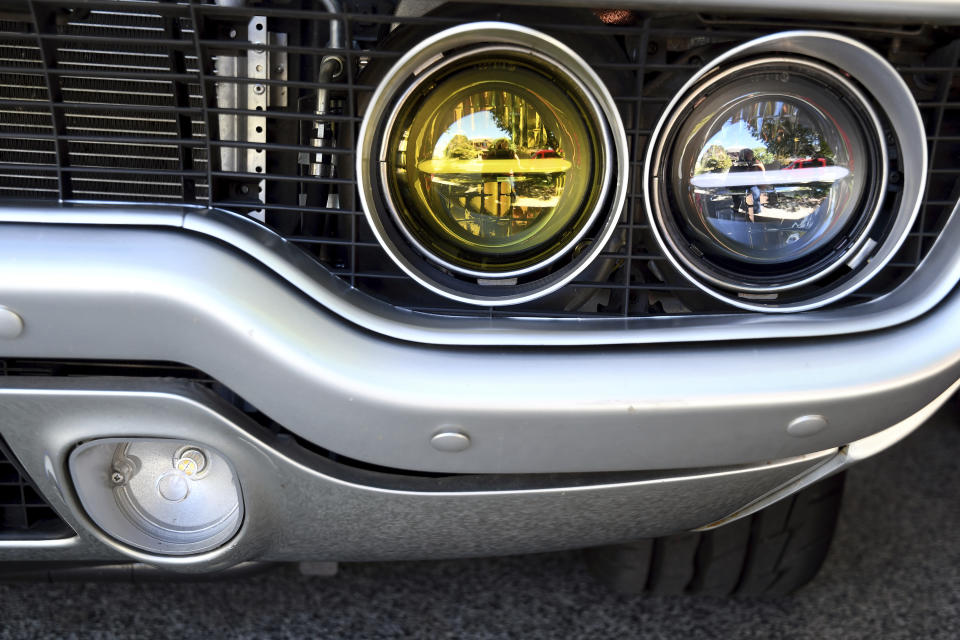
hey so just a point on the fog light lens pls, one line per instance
(494, 165)
(162, 496)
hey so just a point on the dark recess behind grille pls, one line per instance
(106, 101)
(24, 514)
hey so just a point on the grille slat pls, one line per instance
(117, 100)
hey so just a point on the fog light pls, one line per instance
(162, 496)
(492, 163)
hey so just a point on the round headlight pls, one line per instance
(767, 178)
(492, 164)
(770, 172)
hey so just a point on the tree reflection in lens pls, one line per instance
(494, 170)
(768, 178)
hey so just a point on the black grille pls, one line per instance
(117, 101)
(24, 514)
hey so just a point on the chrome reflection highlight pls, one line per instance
(769, 173)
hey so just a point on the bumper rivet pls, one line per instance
(450, 441)
(806, 426)
(11, 325)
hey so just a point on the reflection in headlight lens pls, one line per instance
(769, 169)
(493, 166)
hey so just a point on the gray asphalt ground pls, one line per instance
(893, 572)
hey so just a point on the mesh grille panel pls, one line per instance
(123, 101)
(24, 514)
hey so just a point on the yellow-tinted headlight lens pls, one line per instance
(493, 165)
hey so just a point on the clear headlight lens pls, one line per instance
(773, 171)
(768, 175)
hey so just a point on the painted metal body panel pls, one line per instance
(294, 510)
(135, 294)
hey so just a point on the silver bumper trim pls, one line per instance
(297, 511)
(847, 456)
(925, 288)
(135, 294)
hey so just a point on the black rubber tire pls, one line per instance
(770, 553)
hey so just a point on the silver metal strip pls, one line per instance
(936, 276)
(257, 98)
(137, 294)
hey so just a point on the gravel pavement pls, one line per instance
(893, 572)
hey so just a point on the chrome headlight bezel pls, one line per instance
(874, 244)
(450, 280)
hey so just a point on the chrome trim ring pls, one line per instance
(881, 80)
(423, 59)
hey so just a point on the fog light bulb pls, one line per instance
(162, 496)
(191, 462)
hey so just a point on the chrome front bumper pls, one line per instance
(162, 294)
(699, 428)
(300, 506)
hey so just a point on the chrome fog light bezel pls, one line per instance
(435, 274)
(881, 85)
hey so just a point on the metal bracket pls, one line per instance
(235, 93)
(320, 164)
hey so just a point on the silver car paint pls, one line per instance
(296, 512)
(134, 294)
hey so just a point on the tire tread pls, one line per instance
(770, 553)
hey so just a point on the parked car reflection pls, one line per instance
(761, 206)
